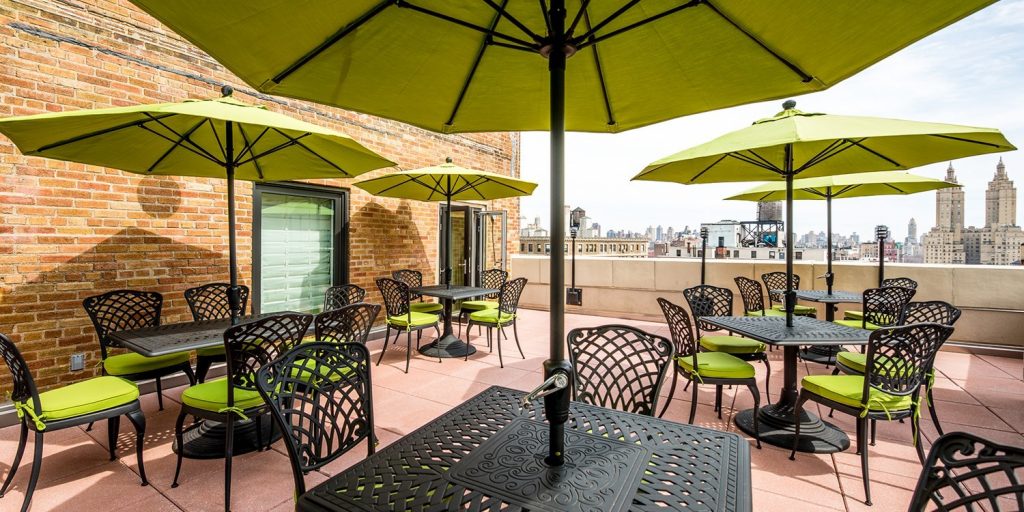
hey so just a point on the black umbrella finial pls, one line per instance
(226, 90)
(789, 104)
(448, 160)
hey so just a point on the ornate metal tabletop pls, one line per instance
(453, 292)
(180, 337)
(836, 297)
(487, 454)
(449, 345)
(805, 331)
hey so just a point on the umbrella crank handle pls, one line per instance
(554, 383)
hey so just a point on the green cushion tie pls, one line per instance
(693, 375)
(23, 409)
(237, 410)
(915, 405)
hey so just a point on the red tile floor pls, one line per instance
(980, 394)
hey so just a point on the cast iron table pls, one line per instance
(776, 420)
(449, 345)
(207, 440)
(826, 354)
(487, 454)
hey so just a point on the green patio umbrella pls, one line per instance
(217, 138)
(447, 182)
(480, 66)
(827, 188)
(796, 143)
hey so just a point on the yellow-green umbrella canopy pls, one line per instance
(885, 183)
(217, 138)
(447, 182)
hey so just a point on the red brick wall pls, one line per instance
(69, 231)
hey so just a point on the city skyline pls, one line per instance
(937, 79)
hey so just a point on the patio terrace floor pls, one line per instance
(980, 394)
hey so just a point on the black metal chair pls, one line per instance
(249, 346)
(99, 398)
(123, 310)
(752, 295)
(342, 295)
(492, 278)
(401, 318)
(903, 282)
(414, 279)
(707, 300)
(210, 302)
(347, 324)
(503, 316)
(883, 307)
(774, 281)
(619, 367)
(898, 360)
(320, 396)
(967, 472)
(714, 368)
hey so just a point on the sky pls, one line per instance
(970, 73)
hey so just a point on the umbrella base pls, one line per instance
(447, 347)
(207, 440)
(820, 355)
(777, 429)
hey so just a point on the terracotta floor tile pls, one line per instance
(766, 500)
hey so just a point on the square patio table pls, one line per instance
(825, 354)
(207, 440)
(449, 345)
(776, 420)
(487, 454)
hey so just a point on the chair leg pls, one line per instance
(189, 374)
(757, 406)
(202, 367)
(718, 400)
(931, 411)
(498, 341)
(229, 446)
(767, 379)
(797, 409)
(671, 391)
(179, 439)
(915, 430)
(33, 479)
(113, 425)
(864, 462)
(515, 334)
(138, 420)
(159, 394)
(693, 403)
(387, 334)
(874, 427)
(22, 441)
(408, 349)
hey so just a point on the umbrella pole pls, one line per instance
(703, 257)
(828, 205)
(790, 295)
(234, 300)
(556, 404)
(448, 237)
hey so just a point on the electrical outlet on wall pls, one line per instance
(77, 362)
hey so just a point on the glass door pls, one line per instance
(491, 247)
(299, 247)
(461, 218)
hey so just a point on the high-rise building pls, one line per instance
(997, 243)
(659, 233)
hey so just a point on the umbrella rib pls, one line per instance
(406, 5)
(600, 72)
(816, 160)
(274, 149)
(297, 141)
(796, 69)
(78, 138)
(961, 139)
(473, 186)
(501, 183)
(708, 168)
(331, 41)
(173, 147)
(611, 17)
(504, 14)
(544, 14)
(472, 70)
(392, 187)
(894, 187)
(216, 137)
(196, 148)
(845, 190)
(859, 144)
(756, 160)
(594, 40)
(822, 154)
(575, 20)
(248, 147)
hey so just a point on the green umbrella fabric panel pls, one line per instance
(845, 186)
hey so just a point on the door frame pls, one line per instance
(467, 243)
(341, 197)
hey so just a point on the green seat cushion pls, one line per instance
(717, 365)
(132, 363)
(799, 309)
(413, 319)
(213, 396)
(855, 361)
(217, 351)
(849, 389)
(853, 315)
(859, 324)
(426, 307)
(731, 344)
(765, 312)
(86, 397)
(491, 316)
(477, 305)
